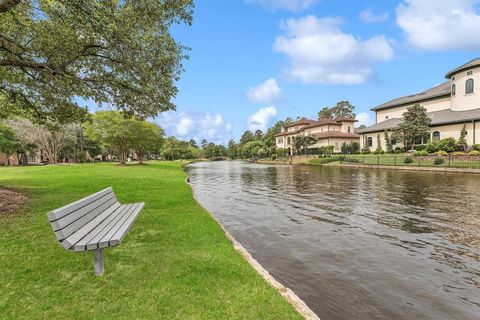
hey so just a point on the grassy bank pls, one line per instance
(468, 162)
(176, 262)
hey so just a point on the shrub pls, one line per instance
(439, 161)
(474, 153)
(408, 160)
(448, 145)
(421, 153)
(378, 152)
(442, 153)
(476, 147)
(421, 147)
(398, 151)
(458, 153)
(366, 150)
(433, 147)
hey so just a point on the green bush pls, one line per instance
(474, 153)
(433, 147)
(458, 153)
(398, 150)
(448, 145)
(408, 160)
(378, 152)
(476, 147)
(365, 150)
(421, 153)
(442, 153)
(439, 161)
(421, 147)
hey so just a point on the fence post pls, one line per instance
(419, 163)
(449, 160)
(378, 160)
(394, 160)
(363, 160)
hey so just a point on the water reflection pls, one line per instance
(353, 243)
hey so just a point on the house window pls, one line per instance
(469, 86)
(370, 142)
(31, 158)
(280, 140)
(348, 129)
(289, 140)
(454, 90)
(393, 141)
(469, 73)
(436, 136)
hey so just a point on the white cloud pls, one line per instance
(367, 16)
(320, 52)
(196, 125)
(366, 118)
(291, 5)
(262, 119)
(266, 92)
(437, 26)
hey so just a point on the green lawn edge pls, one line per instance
(176, 262)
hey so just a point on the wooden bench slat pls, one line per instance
(86, 229)
(123, 230)
(93, 244)
(82, 244)
(104, 241)
(76, 215)
(69, 208)
(71, 228)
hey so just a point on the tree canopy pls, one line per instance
(343, 109)
(117, 52)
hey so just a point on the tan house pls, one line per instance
(326, 132)
(450, 105)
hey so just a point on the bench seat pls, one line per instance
(94, 222)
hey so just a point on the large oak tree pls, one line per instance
(117, 52)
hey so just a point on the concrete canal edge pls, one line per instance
(284, 291)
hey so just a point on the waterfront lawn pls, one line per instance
(175, 263)
(424, 161)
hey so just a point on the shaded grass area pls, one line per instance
(175, 263)
(321, 161)
(425, 161)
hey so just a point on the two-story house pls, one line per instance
(450, 105)
(327, 132)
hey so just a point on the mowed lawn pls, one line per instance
(175, 263)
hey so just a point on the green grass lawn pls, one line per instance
(175, 263)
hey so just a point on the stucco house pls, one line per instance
(328, 132)
(450, 105)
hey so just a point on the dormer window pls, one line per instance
(469, 86)
(454, 89)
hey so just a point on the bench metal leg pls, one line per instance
(98, 261)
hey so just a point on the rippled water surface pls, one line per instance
(356, 243)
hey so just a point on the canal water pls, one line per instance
(355, 243)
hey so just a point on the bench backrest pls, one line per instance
(68, 219)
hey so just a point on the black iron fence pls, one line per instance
(449, 161)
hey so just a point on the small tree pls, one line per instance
(146, 137)
(303, 142)
(414, 126)
(462, 142)
(388, 143)
(379, 144)
(325, 113)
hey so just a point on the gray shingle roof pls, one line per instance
(441, 117)
(435, 92)
(474, 63)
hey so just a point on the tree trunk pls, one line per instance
(141, 156)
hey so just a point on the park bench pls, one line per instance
(93, 223)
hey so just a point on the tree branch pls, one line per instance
(7, 5)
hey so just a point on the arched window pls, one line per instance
(370, 141)
(436, 136)
(454, 89)
(469, 86)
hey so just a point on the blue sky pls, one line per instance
(253, 62)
